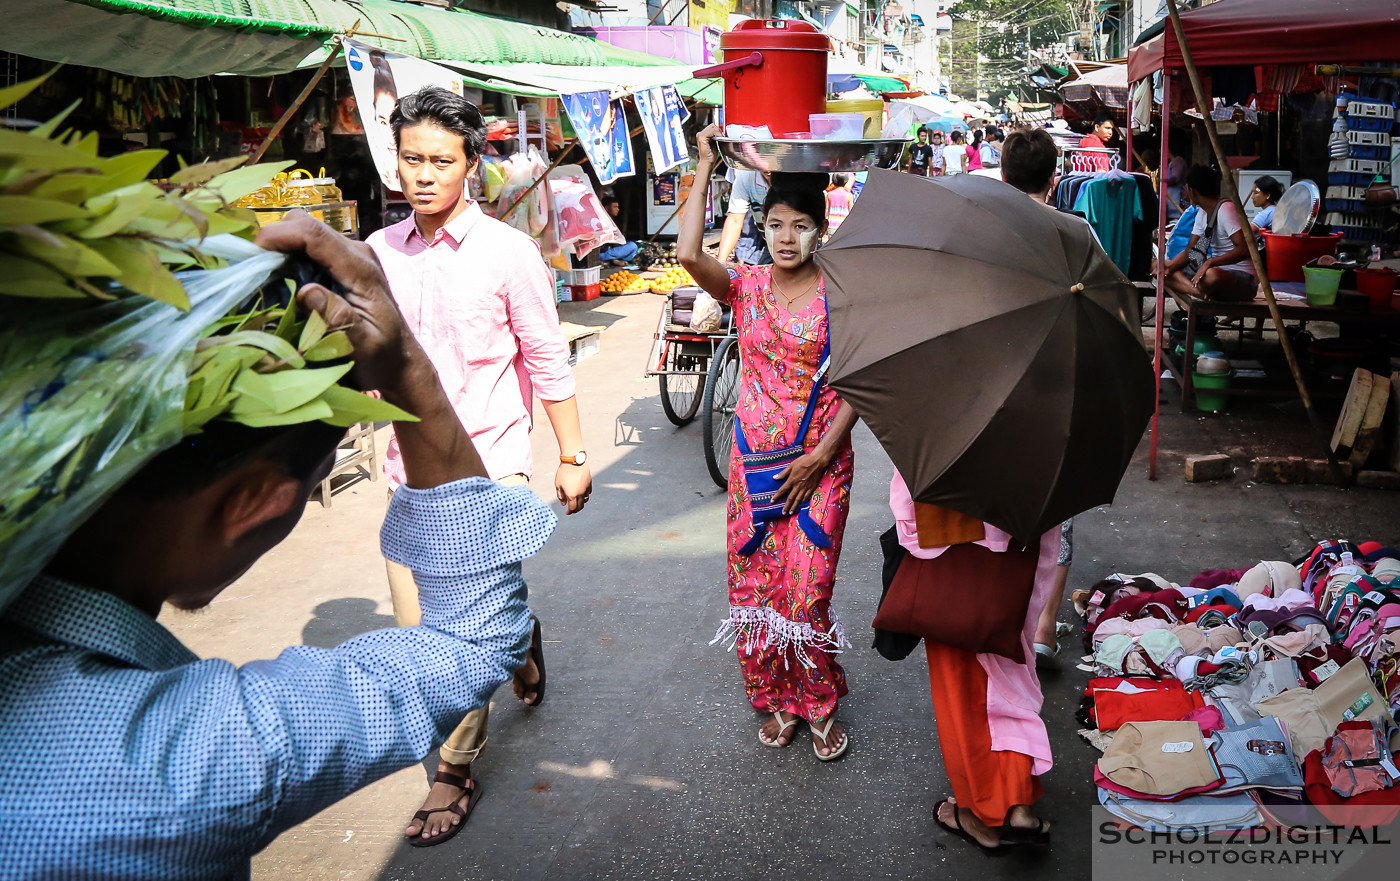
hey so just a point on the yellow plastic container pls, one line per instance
(873, 109)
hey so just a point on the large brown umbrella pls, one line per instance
(990, 344)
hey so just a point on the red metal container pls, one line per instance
(774, 74)
(1285, 255)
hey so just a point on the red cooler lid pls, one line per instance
(774, 33)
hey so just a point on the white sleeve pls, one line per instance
(1229, 220)
(1199, 227)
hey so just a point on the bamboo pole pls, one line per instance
(296, 105)
(1159, 321)
(1203, 104)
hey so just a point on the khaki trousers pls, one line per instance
(467, 741)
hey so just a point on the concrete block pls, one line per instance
(1379, 480)
(1203, 468)
(1279, 469)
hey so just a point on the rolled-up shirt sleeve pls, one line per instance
(534, 318)
(334, 720)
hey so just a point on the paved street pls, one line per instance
(643, 761)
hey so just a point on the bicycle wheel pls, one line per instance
(681, 392)
(721, 396)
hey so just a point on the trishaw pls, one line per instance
(699, 374)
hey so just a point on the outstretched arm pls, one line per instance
(708, 272)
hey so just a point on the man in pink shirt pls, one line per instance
(480, 301)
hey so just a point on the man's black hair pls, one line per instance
(1028, 160)
(200, 459)
(1269, 186)
(956, 137)
(609, 199)
(1205, 180)
(1101, 119)
(434, 105)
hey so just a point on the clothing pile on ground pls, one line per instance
(1239, 699)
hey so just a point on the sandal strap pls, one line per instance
(451, 779)
(784, 726)
(830, 720)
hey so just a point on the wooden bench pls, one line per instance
(356, 453)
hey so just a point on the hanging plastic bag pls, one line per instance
(582, 222)
(88, 395)
(707, 316)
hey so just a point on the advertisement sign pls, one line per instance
(714, 13)
(663, 112)
(601, 127)
(379, 79)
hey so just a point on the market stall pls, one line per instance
(1326, 63)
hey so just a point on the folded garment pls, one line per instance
(1200, 813)
(1115, 626)
(1262, 623)
(1293, 598)
(1103, 781)
(1312, 715)
(1119, 700)
(1159, 758)
(1154, 653)
(1209, 718)
(1376, 808)
(1357, 758)
(1256, 755)
(1293, 643)
(1216, 578)
(1214, 615)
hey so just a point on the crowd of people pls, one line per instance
(930, 156)
(451, 314)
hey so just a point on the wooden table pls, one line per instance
(1289, 310)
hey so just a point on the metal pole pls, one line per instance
(1160, 320)
(1232, 192)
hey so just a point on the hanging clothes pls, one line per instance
(1111, 204)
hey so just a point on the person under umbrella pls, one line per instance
(789, 490)
(1005, 413)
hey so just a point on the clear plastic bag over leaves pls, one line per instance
(88, 395)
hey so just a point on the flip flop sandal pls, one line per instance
(840, 751)
(536, 655)
(472, 794)
(958, 830)
(1037, 837)
(782, 729)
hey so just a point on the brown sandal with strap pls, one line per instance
(471, 792)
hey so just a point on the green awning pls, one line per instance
(186, 38)
(262, 37)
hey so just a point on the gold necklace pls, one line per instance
(773, 282)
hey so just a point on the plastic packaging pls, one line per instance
(706, 316)
(838, 126)
(88, 395)
(580, 219)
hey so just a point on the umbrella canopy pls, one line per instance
(990, 344)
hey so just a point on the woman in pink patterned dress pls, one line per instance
(781, 574)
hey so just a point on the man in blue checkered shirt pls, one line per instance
(125, 756)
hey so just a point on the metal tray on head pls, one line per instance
(819, 156)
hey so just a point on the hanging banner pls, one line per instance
(379, 79)
(662, 113)
(601, 127)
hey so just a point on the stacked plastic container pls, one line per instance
(1361, 146)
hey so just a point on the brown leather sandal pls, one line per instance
(537, 655)
(472, 793)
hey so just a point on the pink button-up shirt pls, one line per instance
(481, 302)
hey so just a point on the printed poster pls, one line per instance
(379, 79)
(662, 113)
(601, 127)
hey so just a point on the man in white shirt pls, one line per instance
(1226, 273)
(742, 236)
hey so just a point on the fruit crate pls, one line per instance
(587, 276)
(1370, 110)
(1369, 139)
(1353, 172)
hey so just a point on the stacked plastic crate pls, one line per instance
(1361, 146)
